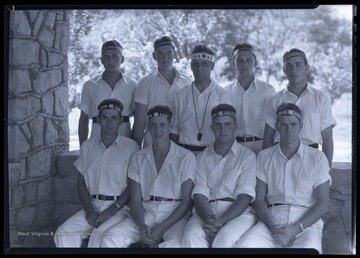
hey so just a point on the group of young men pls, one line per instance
(202, 166)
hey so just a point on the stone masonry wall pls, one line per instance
(37, 126)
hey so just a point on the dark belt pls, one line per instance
(192, 147)
(159, 199)
(226, 199)
(105, 197)
(314, 145)
(279, 204)
(247, 139)
(95, 119)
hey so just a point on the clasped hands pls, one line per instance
(151, 237)
(211, 227)
(284, 234)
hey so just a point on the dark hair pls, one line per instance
(289, 106)
(163, 41)
(202, 49)
(228, 110)
(222, 107)
(295, 52)
(111, 104)
(244, 47)
(111, 44)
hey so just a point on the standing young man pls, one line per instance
(318, 120)
(111, 84)
(157, 88)
(193, 103)
(249, 95)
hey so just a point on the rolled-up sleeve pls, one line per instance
(201, 181)
(246, 182)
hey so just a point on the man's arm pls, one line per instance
(321, 195)
(269, 134)
(328, 144)
(139, 122)
(174, 138)
(260, 206)
(136, 207)
(83, 128)
(84, 195)
(203, 207)
(180, 211)
(236, 209)
(137, 211)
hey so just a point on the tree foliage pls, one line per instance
(325, 38)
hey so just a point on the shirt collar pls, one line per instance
(209, 88)
(116, 141)
(156, 72)
(123, 77)
(299, 152)
(171, 153)
(234, 149)
(307, 89)
(252, 84)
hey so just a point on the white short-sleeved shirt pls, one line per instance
(154, 89)
(179, 166)
(105, 169)
(293, 180)
(316, 112)
(250, 106)
(184, 118)
(220, 177)
(96, 90)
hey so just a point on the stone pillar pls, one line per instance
(38, 127)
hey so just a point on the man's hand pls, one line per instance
(145, 236)
(286, 235)
(157, 233)
(91, 217)
(106, 214)
(212, 227)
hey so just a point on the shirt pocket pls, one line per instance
(304, 188)
(119, 174)
(312, 123)
(230, 180)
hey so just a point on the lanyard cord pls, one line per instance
(207, 101)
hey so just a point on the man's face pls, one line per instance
(224, 128)
(295, 69)
(159, 128)
(164, 56)
(109, 121)
(245, 63)
(201, 69)
(289, 128)
(111, 59)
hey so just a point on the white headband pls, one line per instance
(289, 112)
(204, 56)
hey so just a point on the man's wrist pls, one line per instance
(301, 226)
(117, 205)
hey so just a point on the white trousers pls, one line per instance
(260, 235)
(75, 229)
(127, 232)
(227, 236)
